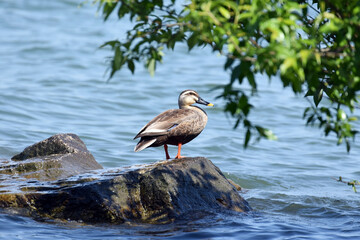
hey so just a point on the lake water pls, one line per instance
(52, 81)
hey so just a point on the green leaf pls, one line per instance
(267, 133)
(347, 145)
(225, 13)
(111, 43)
(131, 66)
(123, 9)
(117, 58)
(318, 96)
(231, 107)
(341, 115)
(192, 40)
(247, 138)
(327, 130)
(251, 80)
(310, 119)
(350, 119)
(108, 9)
(318, 58)
(235, 73)
(244, 105)
(228, 63)
(306, 111)
(340, 140)
(333, 25)
(309, 93)
(289, 62)
(304, 56)
(270, 135)
(237, 122)
(151, 66)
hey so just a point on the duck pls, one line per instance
(175, 126)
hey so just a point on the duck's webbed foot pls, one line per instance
(179, 151)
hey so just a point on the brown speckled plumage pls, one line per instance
(175, 126)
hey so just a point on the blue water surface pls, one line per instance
(52, 80)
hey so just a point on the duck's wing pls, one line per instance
(163, 123)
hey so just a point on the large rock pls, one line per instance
(156, 193)
(57, 157)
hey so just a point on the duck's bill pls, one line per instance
(202, 101)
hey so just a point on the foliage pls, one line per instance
(313, 46)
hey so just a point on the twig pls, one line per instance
(352, 183)
(176, 24)
(309, 5)
(211, 15)
(255, 43)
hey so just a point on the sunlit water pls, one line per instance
(52, 81)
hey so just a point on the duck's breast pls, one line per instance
(189, 128)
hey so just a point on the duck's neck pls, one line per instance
(194, 108)
(183, 106)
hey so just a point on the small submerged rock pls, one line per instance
(157, 193)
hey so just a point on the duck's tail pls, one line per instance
(144, 143)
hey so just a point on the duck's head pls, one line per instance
(189, 97)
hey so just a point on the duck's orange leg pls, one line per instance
(166, 152)
(179, 151)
